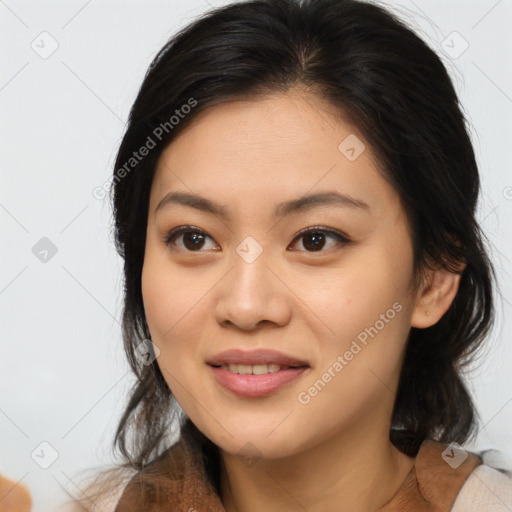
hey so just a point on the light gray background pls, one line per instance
(63, 373)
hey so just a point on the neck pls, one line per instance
(358, 472)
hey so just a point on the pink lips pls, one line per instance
(251, 386)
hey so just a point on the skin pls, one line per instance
(14, 496)
(249, 156)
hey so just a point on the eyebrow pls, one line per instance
(303, 203)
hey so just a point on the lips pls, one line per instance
(256, 357)
(255, 373)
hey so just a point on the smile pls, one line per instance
(253, 381)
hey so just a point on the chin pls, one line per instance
(256, 444)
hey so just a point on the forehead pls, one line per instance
(270, 149)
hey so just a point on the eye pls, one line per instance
(193, 239)
(314, 238)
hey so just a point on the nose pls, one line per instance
(252, 294)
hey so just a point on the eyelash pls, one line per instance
(342, 239)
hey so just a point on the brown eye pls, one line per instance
(315, 239)
(192, 239)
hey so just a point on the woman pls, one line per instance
(305, 279)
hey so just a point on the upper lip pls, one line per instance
(252, 357)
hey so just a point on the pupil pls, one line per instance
(317, 239)
(195, 239)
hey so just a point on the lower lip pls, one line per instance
(256, 385)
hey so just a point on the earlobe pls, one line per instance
(435, 297)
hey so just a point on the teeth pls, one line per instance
(243, 369)
(257, 369)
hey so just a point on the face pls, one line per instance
(325, 281)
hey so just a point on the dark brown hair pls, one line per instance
(393, 87)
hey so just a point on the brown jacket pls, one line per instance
(431, 486)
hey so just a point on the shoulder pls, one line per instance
(140, 489)
(451, 478)
(486, 489)
(442, 470)
(173, 481)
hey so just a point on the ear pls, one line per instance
(435, 296)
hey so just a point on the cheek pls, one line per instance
(381, 306)
(367, 307)
(168, 295)
(173, 304)
(353, 297)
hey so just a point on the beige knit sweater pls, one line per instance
(487, 489)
